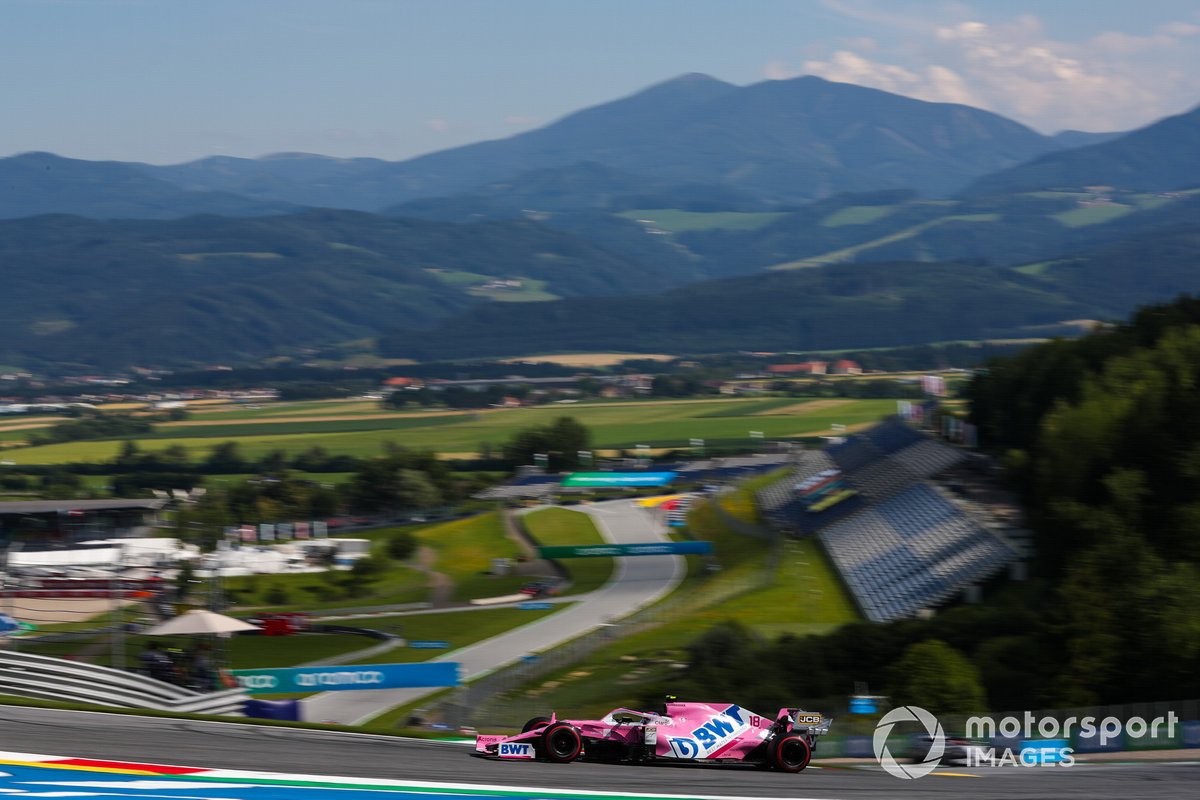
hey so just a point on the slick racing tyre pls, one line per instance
(536, 722)
(790, 753)
(561, 744)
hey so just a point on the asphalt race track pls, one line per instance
(232, 746)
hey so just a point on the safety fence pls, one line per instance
(45, 678)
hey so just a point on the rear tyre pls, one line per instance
(536, 722)
(561, 743)
(790, 753)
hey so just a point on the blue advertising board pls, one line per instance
(618, 479)
(343, 678)
(1191, 735)
(428, 644)
(537, 606)
(864, 705)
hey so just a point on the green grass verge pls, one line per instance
(458, 628)
(313, 591)
(558, 526)
(254, 652)
(465, 549)
(243, 652)
(389, 730)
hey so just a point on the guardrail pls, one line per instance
(46, 678)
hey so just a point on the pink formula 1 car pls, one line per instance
(693, 732)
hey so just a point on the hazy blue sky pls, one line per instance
(172, 80)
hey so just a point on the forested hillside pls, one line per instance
(208, 289)
(1103, 435)
(837, 306)
(851, 305)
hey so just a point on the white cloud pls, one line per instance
(1111, 81)
(1180, 29)
(848, 67)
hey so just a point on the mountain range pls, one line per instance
(778, 142)
(694, 215)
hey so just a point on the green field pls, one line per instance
(613, 425)
(1092, 215)
(558, 526)
(847, 253)
(674, 220)
(307, 591)
(530, 291)
(856, 215)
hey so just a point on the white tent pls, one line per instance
(200, 621)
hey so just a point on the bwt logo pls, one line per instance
(709, 736)
(258, 681)
(516, 750)
(364, 678)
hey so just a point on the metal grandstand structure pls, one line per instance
(900, 544)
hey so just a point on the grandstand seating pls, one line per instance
(899, 544)
(928, 457)
(913, 551)
(782, 492)
(892, 435)
(883, 479)
(855, 452)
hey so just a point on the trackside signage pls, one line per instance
(619, 479)
(367, 676)
(609, 550)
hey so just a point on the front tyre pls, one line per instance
(790, 753)
(561, 743)
(534, 723)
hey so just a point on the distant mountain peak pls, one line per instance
(693, 77)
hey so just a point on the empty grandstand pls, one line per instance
(914, 551)
(899, 544)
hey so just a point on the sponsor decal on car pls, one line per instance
(708, 739)
(515, 750)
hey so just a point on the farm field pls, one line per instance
(674, 220)
(616, 425)
(588, 359)
(847, 253)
